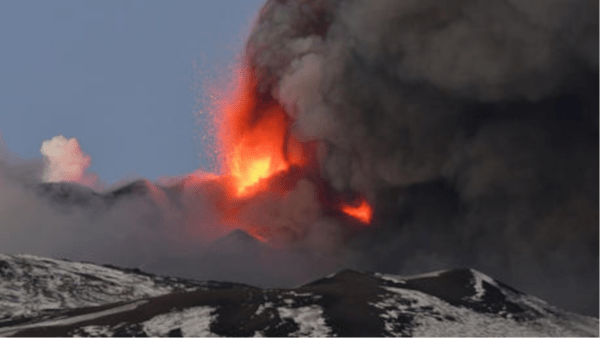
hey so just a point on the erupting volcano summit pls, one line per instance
(392, 136)
(462, 132)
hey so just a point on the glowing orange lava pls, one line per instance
(255, 138)
(259, 154)
(363, 212)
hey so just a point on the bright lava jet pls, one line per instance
(263, 160)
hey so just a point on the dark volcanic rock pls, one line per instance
(69, 195)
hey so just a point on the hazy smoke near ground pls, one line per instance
(176, 228)
(68, 220)
(472, 126)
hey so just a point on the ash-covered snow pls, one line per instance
(461, 302)
(193, 322)
(478, 280)
(300, 294)
(422, 275)
(448, 320)
(72, 320)
(94, 331)
(309, 319)
(30, 285)
(263, 307)
(412, 312)
(391, 278)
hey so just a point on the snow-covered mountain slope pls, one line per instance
(30, 285)
(349, 303)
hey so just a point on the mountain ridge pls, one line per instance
(347, 303)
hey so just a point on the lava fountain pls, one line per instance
(268, 173)
(255, 138)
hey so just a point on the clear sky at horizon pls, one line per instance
(123, 77)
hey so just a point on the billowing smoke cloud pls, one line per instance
(66, 162)
(472, 125)
(177, 228)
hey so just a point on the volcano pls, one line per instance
(400, 137)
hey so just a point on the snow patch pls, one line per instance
(402, 279)
(478, 279)
(425, 275)
(95, 331)
(297, 294)
(391, 278)
(263, 307)
(192, 322)
(309, 319)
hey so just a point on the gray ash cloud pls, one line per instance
(471, 125)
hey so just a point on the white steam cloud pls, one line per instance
(66, 162)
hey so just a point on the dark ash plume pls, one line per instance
(472, 125)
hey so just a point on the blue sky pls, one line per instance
(123, 77)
